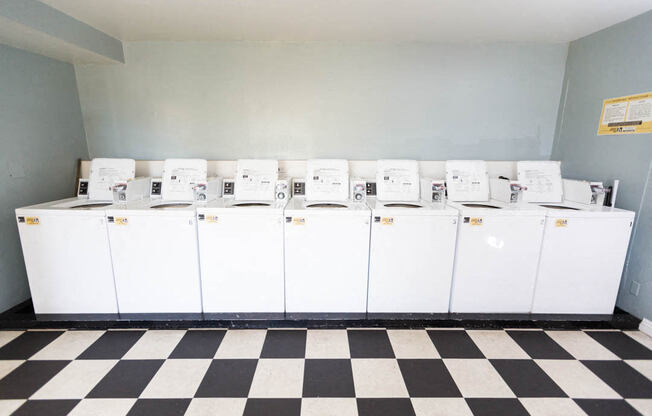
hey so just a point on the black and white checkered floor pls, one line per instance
(361, 372)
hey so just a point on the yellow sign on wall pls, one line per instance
(626, 115)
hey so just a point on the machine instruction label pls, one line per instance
(121, 221)
(475, 221)
(626, 115)
(32, 221)
(561, 222)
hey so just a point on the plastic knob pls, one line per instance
(280, 195)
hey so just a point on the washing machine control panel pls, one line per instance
(281, 190)
(358, 189)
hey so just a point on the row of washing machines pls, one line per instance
(325, 243)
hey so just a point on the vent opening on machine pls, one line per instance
(402, 205)
(560, 207)
(481, 206)
(325, 205)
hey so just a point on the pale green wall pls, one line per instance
(614, 62)
(227, 100)
(41, 137)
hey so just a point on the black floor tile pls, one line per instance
(606, 407)
(454, 344)
(284, 344)
(112, 345)
(328, 378)
(46, 407)
(28, 378)
(159, 407)
(370, 343)
(227, 378)
(198, 344)
(272, 407)
(627, 382)
(527, 379)
(538, 345)
(27, 344)
(428, 378)
(127, 379)
(622, 345)
(385, 407)
(496, 407)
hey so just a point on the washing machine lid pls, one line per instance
(542, 180)
(255, 179)
(397, 180)
(467, 180)
(106, 173)
(496, 208)
(180, 176)
(566, 209)
(301, 206)
(157, 206)
(68, 206)
(410, 208)
(327, 180)
(231, 206)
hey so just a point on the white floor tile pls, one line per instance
(408, 343)
(241, 343)
(641, 337)
(477, 378)
(378, 378)
(8, 336)
(581, 346)
(176, 379)
(644, 406)
(497, 344)
(7, 407)
(68, 346)
(441, 407)
(329, 407)
(551, 407)
(279, 378)
(154, 345)
(75, 381)
(7, 366)
(327, 343)
(642, 366)
(103, 407)
(577, 381)
(216, 407)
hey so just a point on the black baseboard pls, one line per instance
(23, 317)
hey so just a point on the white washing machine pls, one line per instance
(498, 245)
(66, 246)
(412, 244)
(583, 252)
(326, 243)
(154, 242)
(241, 242)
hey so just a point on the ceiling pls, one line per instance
(352, 20)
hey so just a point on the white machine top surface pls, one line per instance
(467, 180)
(327, 180)
(148, 205)
(419, 207)
(577, 210)
(70, 206)
(105, 173)
(255, 179)
(233, 206)
(493, 207)
(397, 180)
(180, 177)
(327, 207)
(542, 179)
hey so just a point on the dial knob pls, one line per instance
(280, 195)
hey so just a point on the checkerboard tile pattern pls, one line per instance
(356, 372)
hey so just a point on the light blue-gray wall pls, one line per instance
(41, 137)
(227, 100)
(614, 62)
